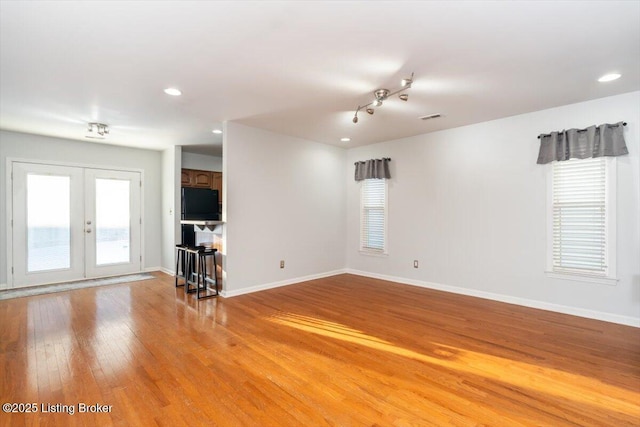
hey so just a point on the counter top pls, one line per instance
(201, 222)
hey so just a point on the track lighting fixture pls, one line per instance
(381, 95)
(97, 130)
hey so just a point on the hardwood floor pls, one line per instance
(343, 351)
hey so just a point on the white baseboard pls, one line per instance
(575, 311)
(166, 271)
(3, 286)
(251, 289)
(151, 269)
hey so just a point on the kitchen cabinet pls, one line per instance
(185, 178)
(216, 184)
(198, 179)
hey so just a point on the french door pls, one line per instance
(71, 223)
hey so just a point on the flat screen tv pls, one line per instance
(200, 204)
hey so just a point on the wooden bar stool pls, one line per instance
(192, 273)
(204, 279)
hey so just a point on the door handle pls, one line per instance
(88, 230)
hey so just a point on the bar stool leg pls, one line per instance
(189, 272)
(203, 274)
(177, 265)
(215, 273)
(180, 267)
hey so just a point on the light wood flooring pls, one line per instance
(340, 351)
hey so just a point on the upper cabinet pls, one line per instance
(197, 178)
(216, 183)
(202, 179)
(185, 178)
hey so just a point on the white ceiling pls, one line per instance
(301, 68)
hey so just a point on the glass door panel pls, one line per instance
(47, 234)
(112, 222)
(113, 219)
(48, 222)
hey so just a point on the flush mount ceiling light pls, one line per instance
(609, 77)
(217, 131)
(172, 91)
(345, 139)
(381, 95)
(97, 131)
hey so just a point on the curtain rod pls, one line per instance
(582, 130)
(384, 158)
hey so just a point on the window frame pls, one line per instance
(610, 276)
(385, 209)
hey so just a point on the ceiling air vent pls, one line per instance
(431, 116)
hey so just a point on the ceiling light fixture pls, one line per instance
(609, 77)
(217, 131)
(345, 139)
(97, 131)
(382, 95)
(172, 91)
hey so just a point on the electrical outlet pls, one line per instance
(281, 263)
(415, 263)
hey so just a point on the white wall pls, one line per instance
(201, 162)
(27, 146)
(285, 199)
(470, 205)
(171, 165)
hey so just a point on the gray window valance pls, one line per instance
(594, 141)
(374, 168)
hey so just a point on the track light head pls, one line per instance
(376, 103)
(404, 96)
(355, 118)
(407, 82)
(371, 111)
(97, 128)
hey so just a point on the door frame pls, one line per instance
(9, 204)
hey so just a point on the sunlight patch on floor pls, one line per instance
(524, 375)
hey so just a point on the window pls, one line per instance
(582, 218)
(373, 216)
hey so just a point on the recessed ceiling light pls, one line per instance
(172, 91)
(345, 139)
(217, 131)
(609, 77)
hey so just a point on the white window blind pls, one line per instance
(579, 229)
(373, 216)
